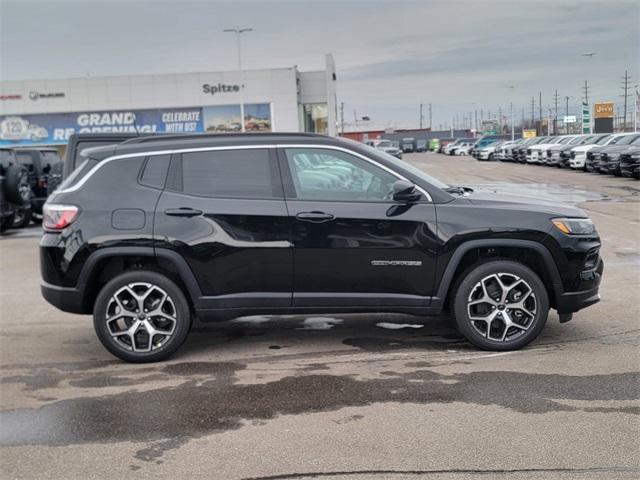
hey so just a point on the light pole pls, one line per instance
(513, 133)
(239, 31)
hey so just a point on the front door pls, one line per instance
(223, 210)
(353, 245)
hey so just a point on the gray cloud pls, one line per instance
(457, 55)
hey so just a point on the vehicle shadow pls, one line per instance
(370, 332)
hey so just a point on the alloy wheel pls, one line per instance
(502, 307)
(141, 317)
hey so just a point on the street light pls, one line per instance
(239, 31)
(513, 133)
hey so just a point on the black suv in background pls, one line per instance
(15, 191)
(45, 173)
(148, 234)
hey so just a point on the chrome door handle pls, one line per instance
(315, 217)
(183, 212)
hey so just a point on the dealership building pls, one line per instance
(47, 112)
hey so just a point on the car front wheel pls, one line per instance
(141, 316)
(500, 305)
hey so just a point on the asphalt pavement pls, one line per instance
(342, 396)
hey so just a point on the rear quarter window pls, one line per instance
(154, 173)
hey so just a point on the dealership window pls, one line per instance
(228, 173)
(316, 117)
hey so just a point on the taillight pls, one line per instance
(57, 217)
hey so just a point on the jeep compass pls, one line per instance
(153, 232)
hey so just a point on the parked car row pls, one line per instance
(617, 154)
(27, 177)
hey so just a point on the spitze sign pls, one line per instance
(603, 110)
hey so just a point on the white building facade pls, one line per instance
(47, 112)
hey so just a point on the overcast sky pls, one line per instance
(459, 56)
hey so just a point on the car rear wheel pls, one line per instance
(500, 305)
(141, 316)
(22, 217)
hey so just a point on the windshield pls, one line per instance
(575, 141)
(384, 144)
(603, 140)
(627, 139)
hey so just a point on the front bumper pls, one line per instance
(570, 302)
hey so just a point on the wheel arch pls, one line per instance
(104, 264)
(532, 254)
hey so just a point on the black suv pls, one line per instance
(45, 173)
(153, 232)
(15, 192)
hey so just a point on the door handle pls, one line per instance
(183, 212)
(315, 217)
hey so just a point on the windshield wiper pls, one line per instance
(460, 190)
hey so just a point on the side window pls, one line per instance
(320, 174)
(155, 171)
(229, 173)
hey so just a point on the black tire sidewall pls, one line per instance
(16, 176)
(23, 221)
(472, 276)
(183, 324)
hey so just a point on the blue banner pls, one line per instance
(56, 128)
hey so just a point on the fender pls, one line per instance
(447, 276)
(185, 273)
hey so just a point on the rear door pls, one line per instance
(353, 245)
(223, 210)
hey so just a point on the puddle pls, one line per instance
(545, 191)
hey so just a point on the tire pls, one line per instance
(22, 217)
(174, 317)
(520, 282)
(491, 157)
(6, 223)
(18, 189)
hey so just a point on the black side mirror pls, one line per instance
(404, 191)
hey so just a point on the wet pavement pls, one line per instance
(340, 396)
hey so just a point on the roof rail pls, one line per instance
(189, 136)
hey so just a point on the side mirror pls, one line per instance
(405, 192)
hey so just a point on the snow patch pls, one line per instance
(320, 323)
(397, 326)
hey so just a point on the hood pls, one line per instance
(561, 147)
(549, 205)
(585, 148)
(618, 148)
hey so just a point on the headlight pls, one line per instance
(574, 226)
(635, 155)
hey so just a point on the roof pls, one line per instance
(182, 141)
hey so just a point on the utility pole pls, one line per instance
(585, 92)
(421, 116)
(513, 132)
(500, 119)
(475, 119)
(430, 117)
(566, 124)
(540, 109)
(533, 109)
(239, 31)
(625, 94)
(342, 117)
(555, 117)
